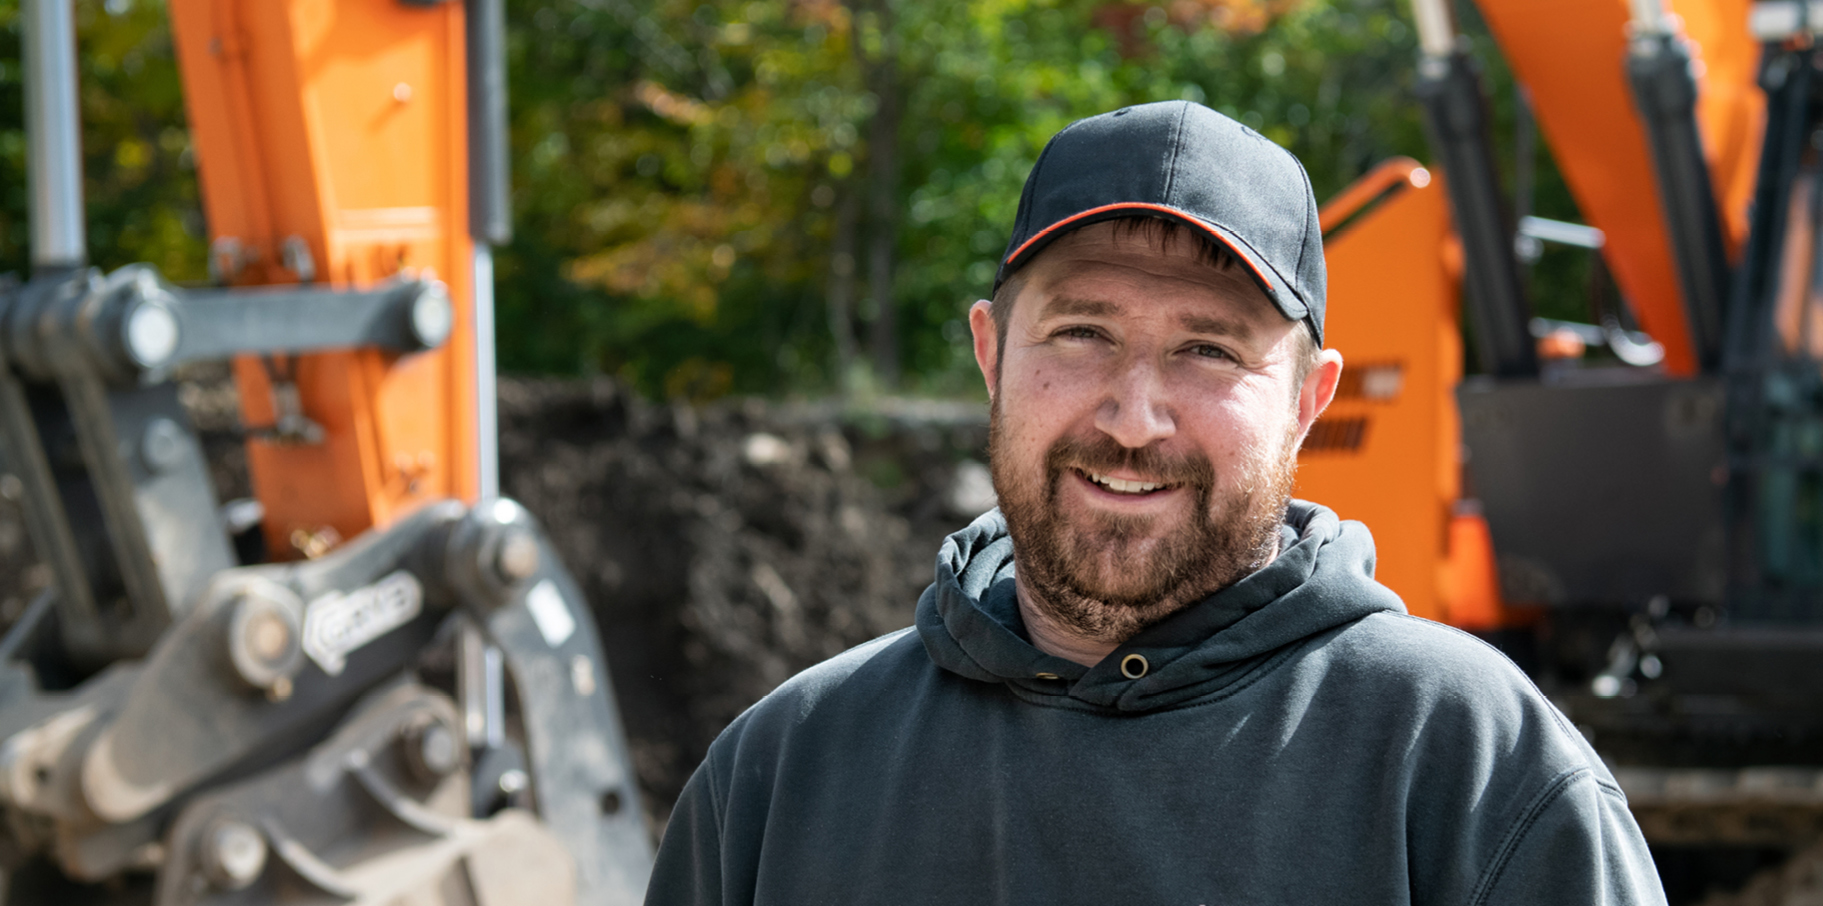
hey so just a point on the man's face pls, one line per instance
(1146, 419)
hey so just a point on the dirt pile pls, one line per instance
(722, 548)
(725, 548)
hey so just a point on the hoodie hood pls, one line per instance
(1323, 578)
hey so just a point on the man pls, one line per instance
(1150, 677)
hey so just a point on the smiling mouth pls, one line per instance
(1122, 485)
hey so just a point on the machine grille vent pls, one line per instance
(1378, 382)
(1339, 435)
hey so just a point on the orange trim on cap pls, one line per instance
(1140, 205)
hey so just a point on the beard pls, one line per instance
(1106, 576)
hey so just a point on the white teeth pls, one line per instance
(1122, 485)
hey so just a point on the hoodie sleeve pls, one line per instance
(1578, 844)
(688, 871)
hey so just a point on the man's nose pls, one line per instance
(1135, 412)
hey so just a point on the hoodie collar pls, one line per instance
(1323, 578)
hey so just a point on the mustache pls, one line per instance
(1101, 453)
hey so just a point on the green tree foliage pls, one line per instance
(783, 195)
(696, 199)
(139, 173)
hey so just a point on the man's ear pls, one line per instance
(1318, 390)
(987, 343)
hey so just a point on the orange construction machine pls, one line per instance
(1632, 506)
(374, 682)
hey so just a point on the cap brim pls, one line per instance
(1286, 302)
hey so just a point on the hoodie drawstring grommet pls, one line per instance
(1134, 666)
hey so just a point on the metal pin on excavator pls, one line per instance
(421, 714)
(1646, 535)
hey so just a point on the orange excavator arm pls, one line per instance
(333, 141)
(1572, 57)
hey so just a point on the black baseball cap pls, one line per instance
(1181, 161)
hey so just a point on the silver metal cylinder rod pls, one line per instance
(53, 129)
(1436, 27)
(487, 414)
(493, 662)
(490, 212)
(471, 680)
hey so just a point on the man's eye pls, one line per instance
(1079, 333)
(1208, 351)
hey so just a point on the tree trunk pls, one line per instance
(882, 75)
(841, 292)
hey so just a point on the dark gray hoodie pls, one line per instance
(1298, 740)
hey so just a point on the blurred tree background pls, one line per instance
(791, 196)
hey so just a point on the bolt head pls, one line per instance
(516, 559)
(432, 750)
(161, 448)
(494, 551)
(233, 854)
(265, 639)
(432, 316)
(150, 333)
(268, 637)
(437, 749)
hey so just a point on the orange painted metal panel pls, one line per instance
(1730, 107)
(1386, 452)
(342, 123)
(1571, 55)
(1471, 578)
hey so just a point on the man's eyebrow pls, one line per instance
(1227, 327)
(1072, 306)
